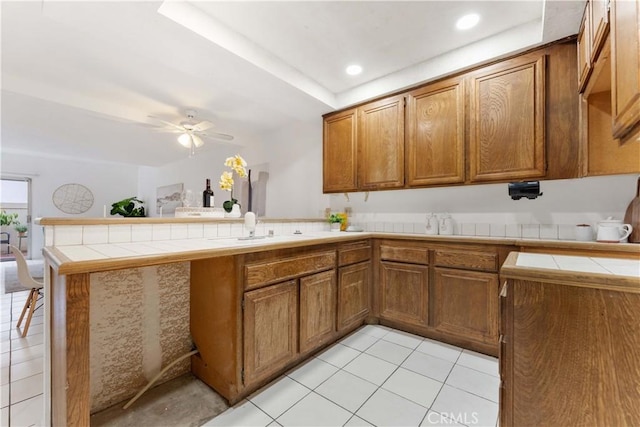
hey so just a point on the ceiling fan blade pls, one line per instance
(173, 125)
(202, 126)
(216, 135)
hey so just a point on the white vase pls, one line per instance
(235, 212)
(335, 226)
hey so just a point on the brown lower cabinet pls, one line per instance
(253, 316)
(446, 292)
(317, 310)
(569, 353)
(404, 292)
(465, 304)
(284, 320)
(270, 329)
(354, 297)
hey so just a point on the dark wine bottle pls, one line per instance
(207, 196)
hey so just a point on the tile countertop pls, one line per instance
(73, 259)
(612, 273)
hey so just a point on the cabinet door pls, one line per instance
(584, 46)
(435, 140)
(625, 66)
(317, 309)
(506, 126)
(465, 304)
(353, 294)
(339, 173)
(605, 155)
(404, 292)
(381, 144)
(599, 26)
(270, 329)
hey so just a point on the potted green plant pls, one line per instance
(336, 221)
(131, 207)
(8, 219)
(21, 229)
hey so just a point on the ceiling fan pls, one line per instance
(191, 132)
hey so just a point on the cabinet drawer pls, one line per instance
(264, 273)
(353, 253)
(407, 254)
(474, 260)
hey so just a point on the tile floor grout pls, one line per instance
(12, 311)
(376, 339)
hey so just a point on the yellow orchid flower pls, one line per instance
(238, 164)
(226, 181)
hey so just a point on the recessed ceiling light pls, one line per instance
(353, 70)
(468, 21)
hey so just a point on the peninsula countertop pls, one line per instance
(73, 259)
(583, 271)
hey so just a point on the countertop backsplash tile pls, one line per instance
(530, 231)
(497, 230)
(559, 226)
(95, 234)
(119, 233)
(195, 231)
(548, 232)
(161, 232)
(468, 229)
(483, 230)
(514, 230)
(566, 232)
(142, 233)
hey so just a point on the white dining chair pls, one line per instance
(26, 280)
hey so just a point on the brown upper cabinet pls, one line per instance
(506, 127)
(381, 144)
(625, 69)
(584, 48)
(599, 22)
(339, 152)
(593, 32)
(435, 140)
(509, 120)
(610, 99)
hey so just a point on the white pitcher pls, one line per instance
(613, 231)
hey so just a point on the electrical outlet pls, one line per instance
(347, 210)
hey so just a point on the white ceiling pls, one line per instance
(80, 78)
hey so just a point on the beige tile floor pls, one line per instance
(377, 376)
(21, 367)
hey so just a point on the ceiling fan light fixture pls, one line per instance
(185, 140)
(197, 141)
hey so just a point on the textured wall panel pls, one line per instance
(139, 324)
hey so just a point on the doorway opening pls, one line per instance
(15, 204)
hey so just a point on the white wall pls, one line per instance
(568, 201)
(294, 155)
(192, 172)
(109, 182)
(294, 158)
